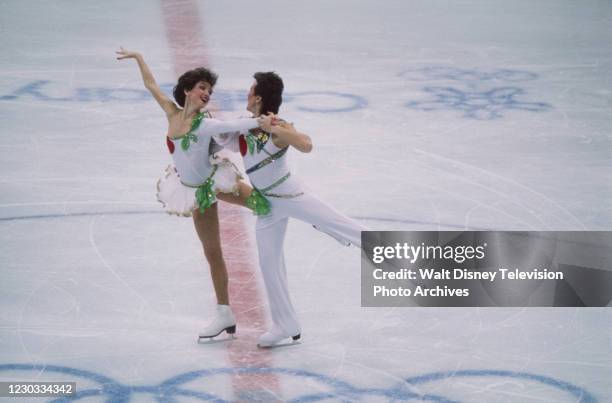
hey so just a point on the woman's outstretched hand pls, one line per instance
(126, 54)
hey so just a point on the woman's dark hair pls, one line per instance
(270, 88)
(189, 79)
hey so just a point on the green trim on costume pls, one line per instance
(258, 203)
(267, 160)
(275, 184)
(186, 141)
(212, 173)
(256, 139)
(265, 191)
(205, 195)
(286, 196)
(190, 135)
(250, 143)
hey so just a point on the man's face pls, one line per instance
(252, 99)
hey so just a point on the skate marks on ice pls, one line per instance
(477, 194)
(477, 94)
(474, 198)
(493, 382)
(320, 101)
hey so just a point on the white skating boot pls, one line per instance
(273, 339)
(224, 321)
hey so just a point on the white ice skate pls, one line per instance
(271, 340)
(342, 241)
(224, 321)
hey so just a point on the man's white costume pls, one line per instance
(269, 174)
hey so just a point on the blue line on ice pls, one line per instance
(144, 212)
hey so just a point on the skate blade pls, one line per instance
(278, 345)
(212, 340)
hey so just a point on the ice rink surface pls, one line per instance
(425, 115)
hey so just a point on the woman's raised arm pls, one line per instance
(149, 81)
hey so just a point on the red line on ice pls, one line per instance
(183, 30)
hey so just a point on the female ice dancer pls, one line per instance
(190, 187)
(265, 160)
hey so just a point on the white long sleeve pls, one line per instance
(212, 127)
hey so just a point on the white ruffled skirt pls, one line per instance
(180, 200)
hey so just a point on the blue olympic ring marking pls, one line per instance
(485, 105)
(227, 100)
(354, 102)
(582, 395)
(478, 100)
(166, 391)
(429, 73)
(341, 102)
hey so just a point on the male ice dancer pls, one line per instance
(277, 193)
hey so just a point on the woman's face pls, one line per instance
(200, 94)
(252, 99)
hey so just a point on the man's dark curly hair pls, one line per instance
(189, 79)
(270, 88)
